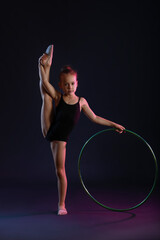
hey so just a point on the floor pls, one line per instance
(31, 213)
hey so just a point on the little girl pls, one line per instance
(57, 127)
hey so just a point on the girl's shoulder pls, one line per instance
(83, 101)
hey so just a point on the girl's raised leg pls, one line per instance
(47, 111)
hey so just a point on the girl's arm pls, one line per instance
(99, 120)
(44, 72)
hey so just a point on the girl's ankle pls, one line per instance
(61, 206)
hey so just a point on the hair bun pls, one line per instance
(67, 69)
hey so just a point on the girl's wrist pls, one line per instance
(114, 125)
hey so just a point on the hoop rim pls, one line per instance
(86, 190)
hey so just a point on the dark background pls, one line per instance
(113, 45)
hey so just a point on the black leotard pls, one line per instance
(66, 116)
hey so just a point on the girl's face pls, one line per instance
(68, 83)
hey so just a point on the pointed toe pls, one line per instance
(49, 50)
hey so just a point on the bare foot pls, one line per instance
(62, 211)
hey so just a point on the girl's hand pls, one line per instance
(44, 64)
(42, 60)
(119, 128)
(45, 60)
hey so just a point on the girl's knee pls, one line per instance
(60, 173)
(59, 151)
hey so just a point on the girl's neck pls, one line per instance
(73, 95)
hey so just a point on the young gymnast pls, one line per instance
(56, 127)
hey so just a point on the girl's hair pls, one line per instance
(67, 70)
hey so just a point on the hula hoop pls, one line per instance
(102, 205)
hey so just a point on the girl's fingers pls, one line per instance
(120, 130)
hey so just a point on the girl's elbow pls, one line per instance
(44, 82)
(94, 119)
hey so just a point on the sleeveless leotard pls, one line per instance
(66, 117)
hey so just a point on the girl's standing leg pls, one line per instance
(59, 154)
